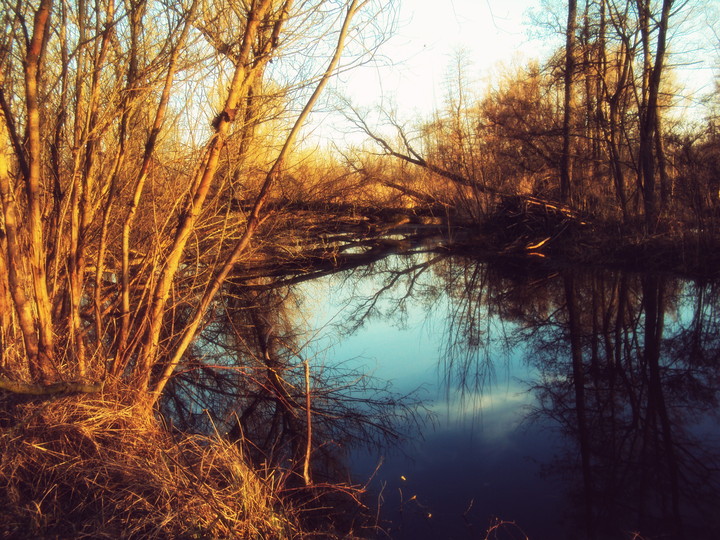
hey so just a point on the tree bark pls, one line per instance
(202, 185)
(16, 387)
(33, 60)
(566, 158)
(141, 178)
(15, 261)
(649, 116)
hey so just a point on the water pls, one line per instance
(555, 403)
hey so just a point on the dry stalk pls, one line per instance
(90, 466)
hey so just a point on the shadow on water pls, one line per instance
(605, 426)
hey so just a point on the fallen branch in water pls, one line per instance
(49, 389)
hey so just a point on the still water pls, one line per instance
(546, 402)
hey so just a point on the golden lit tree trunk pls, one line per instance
(32, 188)
(135, 18)
(85, 178)
(254, 219)
(15, 260)
(188, 218)
(112, 191)
(141, 178)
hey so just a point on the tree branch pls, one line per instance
(49, 389)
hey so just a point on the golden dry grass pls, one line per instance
(94, 467)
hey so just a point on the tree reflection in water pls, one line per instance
(628, 369)
(617, 377)
(625, 365)
(246, 379)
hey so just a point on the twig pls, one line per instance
(308, 448)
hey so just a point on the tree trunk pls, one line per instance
(649, 119)
(32, 188)
(15, 262)
(254, 218)
(566, 159)
(161, 291)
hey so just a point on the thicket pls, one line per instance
(596, 131)
(139, 144)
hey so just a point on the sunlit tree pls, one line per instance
(128, 129)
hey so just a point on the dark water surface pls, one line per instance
(558, 403)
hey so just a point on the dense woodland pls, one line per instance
(153, 175)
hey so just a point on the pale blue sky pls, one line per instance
(429, 33)
(494, 33)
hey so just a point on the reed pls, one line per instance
(95, 466)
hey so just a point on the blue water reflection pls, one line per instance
(501, 369)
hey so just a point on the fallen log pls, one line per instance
(64, 387)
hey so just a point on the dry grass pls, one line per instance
(92, 467)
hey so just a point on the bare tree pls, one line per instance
(105, 198)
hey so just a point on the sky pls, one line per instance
(414, 63)
(411, 72)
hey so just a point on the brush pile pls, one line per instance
(90, 466)
(529, 225)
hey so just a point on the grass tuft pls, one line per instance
(93, 466)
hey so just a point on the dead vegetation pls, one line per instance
(92, 466)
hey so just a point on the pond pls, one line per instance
(546, 401)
